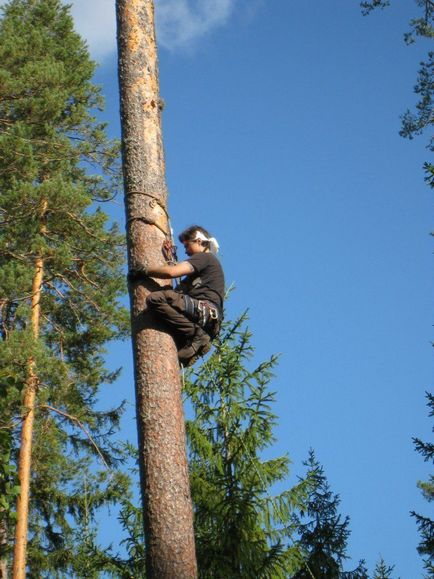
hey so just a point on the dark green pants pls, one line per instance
(169, 307)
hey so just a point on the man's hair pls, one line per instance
(189, 234)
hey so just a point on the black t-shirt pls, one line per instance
(208, 281)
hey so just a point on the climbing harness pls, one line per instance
(209, 318)
(203, 313)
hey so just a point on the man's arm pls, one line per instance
(162, 271)
(170, 271)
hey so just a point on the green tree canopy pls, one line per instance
(323, 531)
(56, 164)
(242, 528)
(424, 523)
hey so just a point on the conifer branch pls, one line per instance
(10, 426)
(20, 257)
(65, 299)
(78, 291)
(56, 326)
(81, 425)
(82, 275)
(23, 298)
(81, 223)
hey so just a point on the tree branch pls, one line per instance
(81, 425)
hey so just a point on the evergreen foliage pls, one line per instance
(323, 531)
(382, 570)
(241, 529)
(55, 164)
(132, 563)
(94, 561)
(426, 524)
(367, 7)
(416, 122)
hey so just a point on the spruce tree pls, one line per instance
(59, 256)
(424, 523)
(241, 528)
(323, 532)
(382, 570)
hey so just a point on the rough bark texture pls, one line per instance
(24, 461)
(3, 547)
(162, 454)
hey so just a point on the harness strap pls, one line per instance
(204, 313)
(190, 306)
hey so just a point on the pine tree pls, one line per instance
(323, 531)
(426, 524)
(167, 516)
(241, 529)
(61, 257)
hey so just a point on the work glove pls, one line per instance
(137, 274)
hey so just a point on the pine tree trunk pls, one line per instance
(24, 461)
(3, 547)
(4, 527)
(166, 498)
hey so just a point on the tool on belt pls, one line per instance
(204, 313)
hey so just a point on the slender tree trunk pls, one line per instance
(166, 498)
(4, 528)
(25, 457)
(3, 547)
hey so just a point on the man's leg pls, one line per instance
(169, 306)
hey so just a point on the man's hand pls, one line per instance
(138, 274)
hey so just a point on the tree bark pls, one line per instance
(167, 509)
(3, 547)
(4, 527)
(24, 461)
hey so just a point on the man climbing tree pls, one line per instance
(193, 310)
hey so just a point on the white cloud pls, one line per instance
(95, 20)
(181, 22)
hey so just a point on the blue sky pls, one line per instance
(281, 136)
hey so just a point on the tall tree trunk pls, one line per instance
(25, 457)
(4, 527)
(166, 498)
(3, 549)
